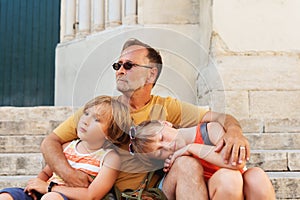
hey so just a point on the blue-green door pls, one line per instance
(29, 33)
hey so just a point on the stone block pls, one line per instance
(257, 25)
(258, 72)
(282, 125)
(20, 164)
(20, 144)
(175, 12)
(294, 161)
(269, 160)
(24, 127)
(252, 125)
(42, 113)
(230, 102)
(274, 104)
(274, 141)
(286, 184)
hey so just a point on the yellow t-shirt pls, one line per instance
(179, 113)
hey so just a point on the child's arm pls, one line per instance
(205, 152)
(100, 185)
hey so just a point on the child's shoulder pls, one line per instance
(112, 158)
(71, 144)
(112, 154)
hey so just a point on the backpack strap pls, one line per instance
(144, 191)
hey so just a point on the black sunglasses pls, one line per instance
(127, 66)
(132, 132)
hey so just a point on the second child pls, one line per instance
(159, 140)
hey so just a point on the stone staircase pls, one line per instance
(275, 145)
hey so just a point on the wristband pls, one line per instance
(50, 186)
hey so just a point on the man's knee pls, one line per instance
(185, 180)
(187, 164)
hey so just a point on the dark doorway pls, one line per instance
(29, 33)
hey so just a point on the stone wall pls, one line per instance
(259, 85)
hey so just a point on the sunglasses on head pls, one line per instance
(132, 133)
(127, 66)
(133, 130)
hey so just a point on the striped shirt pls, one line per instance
(90, 163)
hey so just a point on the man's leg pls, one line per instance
(226, 184)
(185, 180)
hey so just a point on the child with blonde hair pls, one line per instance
(159, 140)
(100, 129)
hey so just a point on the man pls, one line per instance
(137, 71)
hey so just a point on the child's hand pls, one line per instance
(170, 160)
(167, 165)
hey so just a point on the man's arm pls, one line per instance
(233, 138)
(52, 150)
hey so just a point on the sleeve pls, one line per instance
(67, 129)
(184, 114)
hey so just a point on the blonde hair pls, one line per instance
(144, 136)
(119, 120)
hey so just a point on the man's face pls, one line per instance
(136, 77)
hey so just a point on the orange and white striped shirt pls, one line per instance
(89, 163)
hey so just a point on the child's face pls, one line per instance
(93, 124)
(166, 142)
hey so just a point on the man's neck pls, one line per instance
(138, 98)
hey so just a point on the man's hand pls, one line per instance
(52, 148)
(36, 184)
(236, 146)
(78, 179)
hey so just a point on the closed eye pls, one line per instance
(158, 152)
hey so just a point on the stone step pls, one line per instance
(21, 144)
(15, 133)
(273, 161)
(27, 127)
(34, 125)
(20, 164)
(60, 113)
(39, 113)
(286, 184)
(14, 181)
(274, 141)
(270, 125)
